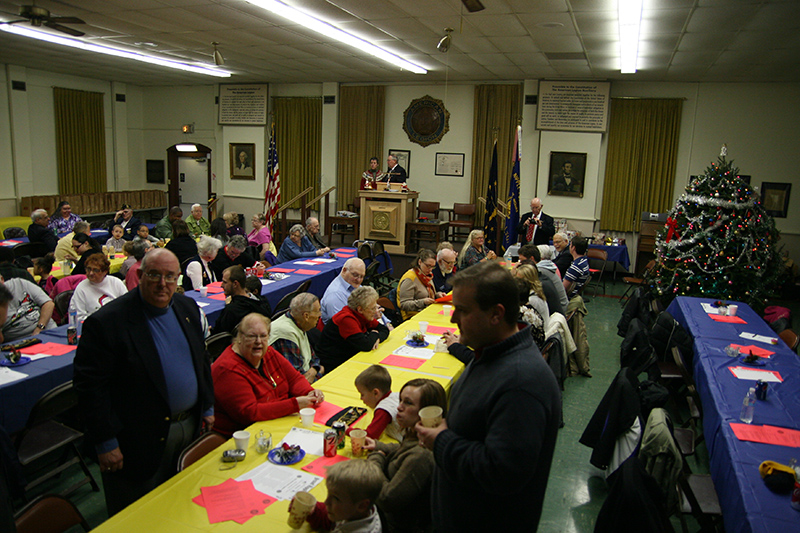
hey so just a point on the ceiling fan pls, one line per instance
(39, 16)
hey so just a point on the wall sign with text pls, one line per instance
(573, 106)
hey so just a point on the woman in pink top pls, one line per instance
(260, 237)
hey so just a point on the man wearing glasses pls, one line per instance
(443, 271)
(337, 293)
(143, 381)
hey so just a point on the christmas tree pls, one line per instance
(718, 241)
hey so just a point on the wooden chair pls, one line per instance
(790, 338)
(49, 513)
(201, 447)
(43, 436)
(462, 220)
(216, 344)
(342, 225)
(429, 211)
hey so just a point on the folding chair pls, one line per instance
(198, 449)
(49, 513)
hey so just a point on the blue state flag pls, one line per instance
(490, 219)
(512, 221)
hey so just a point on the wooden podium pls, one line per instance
(384, 216)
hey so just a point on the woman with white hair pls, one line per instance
(297, 245)
(473, 251)
(354, 329)
(197, 271)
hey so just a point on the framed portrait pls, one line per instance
(243, 161)
(403, 159)
(775, 198)
(449, 164)
(567, 174)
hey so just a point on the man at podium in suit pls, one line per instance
(535, 226)
(396, 173)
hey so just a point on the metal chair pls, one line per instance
(44, 436)
(597, 256)
(198, 449)
(790, 338)
(284, 302)
(216, 344)
(31, 249)
(49, 513)
(462, 220)
(14, 232)
(61, 302)
(632, 282)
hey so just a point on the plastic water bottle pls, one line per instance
(73, 318)
(748, 406)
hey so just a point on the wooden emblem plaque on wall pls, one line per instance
(425, 121)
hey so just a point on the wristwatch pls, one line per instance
(40, 325)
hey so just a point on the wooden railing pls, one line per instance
(280, 226)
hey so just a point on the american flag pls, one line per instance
(272, 196)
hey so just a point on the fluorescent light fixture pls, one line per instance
(630, 22)
(186, 147)
(82, 45)
(321, 27)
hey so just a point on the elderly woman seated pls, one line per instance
(253, 382)
(416, 291)
(354, 329)
(297, 245)
(474, 250)
(197, 272)
(97, 289)
(408, 467)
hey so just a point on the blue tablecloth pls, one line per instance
(278, 289)
(615, 253)
(747, 504)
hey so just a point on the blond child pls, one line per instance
(116, 239)
(374, 385)
(353, 486)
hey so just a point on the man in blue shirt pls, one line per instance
(335, 297)
(578, 273)
(145, 387)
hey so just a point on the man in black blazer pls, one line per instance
(143, 381)
(130, 224)
(39, 232)
(536, 226)
(396, 173)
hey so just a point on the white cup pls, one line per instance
(430, 416)
(733, 309)
(302, 505)
(307, 416)
(447, 310)
(357, 440)
(423, 327)
(242, 439)
(203, 292)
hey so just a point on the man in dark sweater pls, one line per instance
(241, 304)
(39, 232)
(497, 442)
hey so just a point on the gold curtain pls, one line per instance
(640, 167)
(361, 124)
(298, 134)
(80, 141)
(497, 113)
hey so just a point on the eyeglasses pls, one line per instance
(446, 262)
(253, 338)
(158, 276)
(92, 270)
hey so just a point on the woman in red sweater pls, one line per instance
(253, 382)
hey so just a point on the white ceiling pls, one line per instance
(682, 40)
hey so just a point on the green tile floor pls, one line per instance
(575, 493)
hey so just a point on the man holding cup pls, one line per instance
(497, 442)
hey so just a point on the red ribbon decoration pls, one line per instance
(672, 224)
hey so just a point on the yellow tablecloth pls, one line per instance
(10, 222)
(116, 264)
(170, 508)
